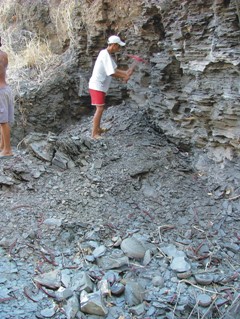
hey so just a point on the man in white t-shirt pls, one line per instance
(104, 69)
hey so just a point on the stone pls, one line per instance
(134, 293)
(179, 264)
(147, 258)
(51, 279)
(71, 307)
(204, 279)
(112, 262)
(99, 251)
(4, 292)
(184, 275)
(98, 163)
(65, 278)
(48, 312)
(158, 281)
(63, 294)
(133, 248)
(2, 279)
(103, 287)
(117, 241)
(5, 180)
(138, 310)
(92, 304)
(90, 258)
(6, 243)
(232, 247)
(204, 300)
(61, 160)
(112, 277)
(117, 289)
(171, 251)
(82, 281)
(42, 149)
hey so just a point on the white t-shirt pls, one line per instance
(103, 69)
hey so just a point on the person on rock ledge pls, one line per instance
(104, 69)
(6, 108)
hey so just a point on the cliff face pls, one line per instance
(195, 77)
(189, 87)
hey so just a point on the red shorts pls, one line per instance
(97, 97)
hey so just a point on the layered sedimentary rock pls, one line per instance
(195, 76)
(189, 87)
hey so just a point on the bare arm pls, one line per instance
(3, 59)
(3, 66)
(124, 75)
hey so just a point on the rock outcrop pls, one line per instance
(189, 88)
(194, 94)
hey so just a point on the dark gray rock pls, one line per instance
(51, 279)
(71, 307)
(112, 262)
(158, 281)
(179, 264)
(133, 248)
(48, 312)
(93, 304)
(134, 293)
(82, 281)
(204, 279)
(117, 289)
(204, 300)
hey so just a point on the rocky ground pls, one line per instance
(129, 226)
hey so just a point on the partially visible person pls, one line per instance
(6, 107)
(104, 69)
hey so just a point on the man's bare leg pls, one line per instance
(1, 140)
(96, 131)
(5, 140)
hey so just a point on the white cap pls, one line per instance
(115, 39)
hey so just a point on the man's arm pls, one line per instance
(3, 63)
(125, 75)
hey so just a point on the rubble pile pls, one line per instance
(129, 226)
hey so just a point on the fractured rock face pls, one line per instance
(195, 85)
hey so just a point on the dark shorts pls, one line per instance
(97, 97)
(6, 105)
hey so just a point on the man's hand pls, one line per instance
(124, 75)
(130, 71)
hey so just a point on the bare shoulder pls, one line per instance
(3, 54)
